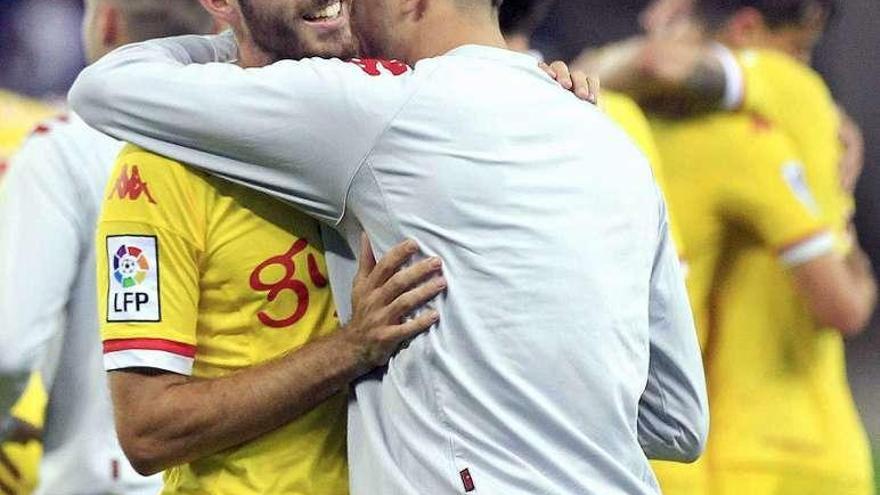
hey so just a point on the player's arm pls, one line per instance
(40, 252)
(673, 421)
(294, 129)
(165, 419)
(840, 290)
(773, 198)
(668, 76)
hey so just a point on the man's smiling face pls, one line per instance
(294, 29)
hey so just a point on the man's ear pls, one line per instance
(745, 26)
(414, 8)
(224, 12)
(111, 26)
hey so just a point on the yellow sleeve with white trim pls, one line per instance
(796, 99)
(772, 198)
(150, 241)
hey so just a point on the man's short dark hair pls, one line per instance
(522, 16)
(148, 19)
(777, 13)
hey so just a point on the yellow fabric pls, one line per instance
(778, 393)
(726, 183)
(794, 97)
(18, 116)
(626, 113)
(217, 242)
(26, 457)
(790, 482)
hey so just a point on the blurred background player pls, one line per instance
(761, 68)
(48, 211)
(800, 432)
(20, 428)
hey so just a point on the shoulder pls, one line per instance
(149, 188)
(770, 74)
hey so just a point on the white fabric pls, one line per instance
(566, 345)
(734, 80)
(148, 358)
(808, 250)
(48, 210)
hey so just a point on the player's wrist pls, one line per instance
(352, 354)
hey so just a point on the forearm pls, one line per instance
(191, 418)
(161, 95)
(865, 285)
(672, 78)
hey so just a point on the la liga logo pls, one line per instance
(130, 266)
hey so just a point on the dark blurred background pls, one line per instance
(40, 54)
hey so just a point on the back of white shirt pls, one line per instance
(548, 222)
(48, 211)
(565, 353)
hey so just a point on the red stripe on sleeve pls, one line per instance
(178, 348)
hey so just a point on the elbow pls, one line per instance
(694, 440)
(145, 454)
(850, 319)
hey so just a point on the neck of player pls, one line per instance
(447, 27)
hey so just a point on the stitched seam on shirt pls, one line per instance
(372, 147)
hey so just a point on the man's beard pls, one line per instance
(278, 40)
(271, 34)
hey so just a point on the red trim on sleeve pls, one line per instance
(178, 348)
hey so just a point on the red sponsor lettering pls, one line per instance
(130, 186)
(3, 166)
(288, 282)
(371, 66)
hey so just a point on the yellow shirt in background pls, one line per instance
(795, 98)
(778, 393)
(202, 277)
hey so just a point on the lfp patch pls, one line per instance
(133, 293)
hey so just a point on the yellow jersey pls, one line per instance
(796, 99)
(777, 387)
(202, 277)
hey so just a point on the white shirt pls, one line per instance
(49, 204)
(566, 344)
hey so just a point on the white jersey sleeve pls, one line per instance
(296, 129)
(673, 418)
(40, 236)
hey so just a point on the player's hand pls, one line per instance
(578, 82)
(384, 293)
(853, 160)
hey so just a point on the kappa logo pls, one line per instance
(131, 186)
